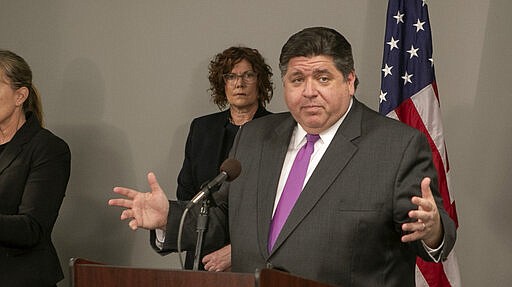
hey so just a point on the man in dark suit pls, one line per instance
(367, 207)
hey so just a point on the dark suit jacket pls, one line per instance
(34, 172)
(207, 147)
(345, 228)
(205, 151)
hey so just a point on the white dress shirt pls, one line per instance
(296, 142)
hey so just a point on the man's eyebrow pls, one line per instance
(317, 72)
(296, 73)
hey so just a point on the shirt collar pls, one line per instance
(326, 136)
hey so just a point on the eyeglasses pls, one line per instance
(248, 77)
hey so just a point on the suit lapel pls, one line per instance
(10, 153)
(273, 153)
(335, 158)
(15, 146)
(217, 135)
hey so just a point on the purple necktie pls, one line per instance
(292, 188)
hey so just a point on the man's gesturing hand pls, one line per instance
(144, 209)
(427, 224)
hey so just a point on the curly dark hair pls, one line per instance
(224, 62)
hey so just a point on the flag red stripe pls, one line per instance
(408, 114)
(434, 86)
(453, 214)
(433, 273)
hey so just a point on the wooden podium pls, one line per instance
(85, 273)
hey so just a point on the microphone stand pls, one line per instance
(201, 227)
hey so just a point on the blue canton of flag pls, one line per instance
(407, 64)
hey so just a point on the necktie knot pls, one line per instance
(312, 138)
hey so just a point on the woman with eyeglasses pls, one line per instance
(34, 172)
(241, 86)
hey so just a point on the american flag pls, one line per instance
(409, 94)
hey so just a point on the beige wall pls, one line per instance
(121, 81)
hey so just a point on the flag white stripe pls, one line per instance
(393, 115)
(427, 106)
(429, 110)
(451, 269)
(420, 280)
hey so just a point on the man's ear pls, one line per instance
(351, 80)
(21, 95)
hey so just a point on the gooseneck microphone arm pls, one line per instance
(206, 190)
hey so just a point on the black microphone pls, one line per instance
(229, 170)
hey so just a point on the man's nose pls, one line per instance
(309, 88)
